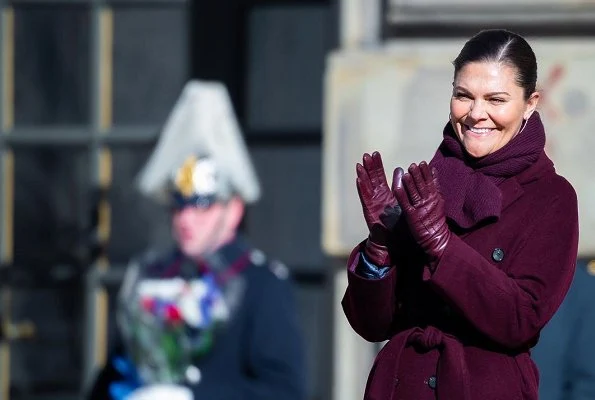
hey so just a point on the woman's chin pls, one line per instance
(476, 146)
(475, 151)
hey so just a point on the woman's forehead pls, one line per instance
(487, 76)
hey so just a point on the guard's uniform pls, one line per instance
(258, 354)
(255, 352)
(565, 354)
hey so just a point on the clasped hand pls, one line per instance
(379, 204)
(413, 196)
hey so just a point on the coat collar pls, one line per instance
(512, 188)
(228, 254)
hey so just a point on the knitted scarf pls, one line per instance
(470, 186)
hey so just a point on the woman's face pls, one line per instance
(488, 107)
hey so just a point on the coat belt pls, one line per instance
(452, 373)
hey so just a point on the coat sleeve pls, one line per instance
(276, 354)
(369, 304)
(511, 308)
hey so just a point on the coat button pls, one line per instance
(432, 382)
(498, 254)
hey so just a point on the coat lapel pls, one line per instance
(511, 191)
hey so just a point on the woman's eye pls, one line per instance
(497, 100)
(461, 96)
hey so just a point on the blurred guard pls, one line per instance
(201, 169)
(565, 354)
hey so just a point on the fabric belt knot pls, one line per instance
(429, 338)
(452, 373)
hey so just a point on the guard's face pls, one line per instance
(488, 107)
(199, 230)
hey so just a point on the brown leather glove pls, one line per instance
(380, 207)
(423, 209)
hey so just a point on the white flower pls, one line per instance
(199, 289)
(165, 289)
(189, 307)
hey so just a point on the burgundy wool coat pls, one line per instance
(465, 331)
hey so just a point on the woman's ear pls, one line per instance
(532, 103)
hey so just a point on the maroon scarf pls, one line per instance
(470, 186)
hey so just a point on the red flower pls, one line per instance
(172, 314)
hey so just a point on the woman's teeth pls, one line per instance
(479, 130)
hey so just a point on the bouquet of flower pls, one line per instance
(167, 324)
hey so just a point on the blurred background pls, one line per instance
(85, 86)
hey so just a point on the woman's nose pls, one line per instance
(477, 111)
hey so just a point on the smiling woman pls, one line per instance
(470, 255)
(493, 91)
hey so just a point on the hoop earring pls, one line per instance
(523, 125)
